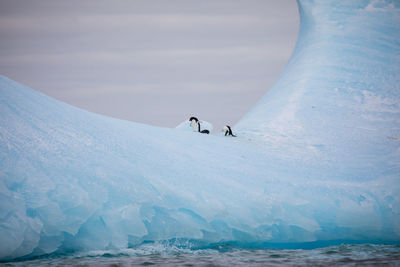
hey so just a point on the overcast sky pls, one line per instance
(149, 61)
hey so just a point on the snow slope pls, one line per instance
(317, 160)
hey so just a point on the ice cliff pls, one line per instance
(316, 161)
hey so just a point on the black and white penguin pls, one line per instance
(228, 131)
(195, 124)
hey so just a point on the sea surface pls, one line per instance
(161, 255)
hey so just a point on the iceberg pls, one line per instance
(315, 162)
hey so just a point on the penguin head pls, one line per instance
(193, 119)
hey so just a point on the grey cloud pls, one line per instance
(142, 60)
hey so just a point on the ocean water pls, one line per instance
(226, 255)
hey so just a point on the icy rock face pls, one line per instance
(317, 161)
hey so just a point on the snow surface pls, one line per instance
(317, 160)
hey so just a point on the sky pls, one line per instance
(151, 61)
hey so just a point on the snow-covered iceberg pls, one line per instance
(316, 161)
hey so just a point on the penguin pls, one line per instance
(205, 131)
(195, 124)
(228, 131)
